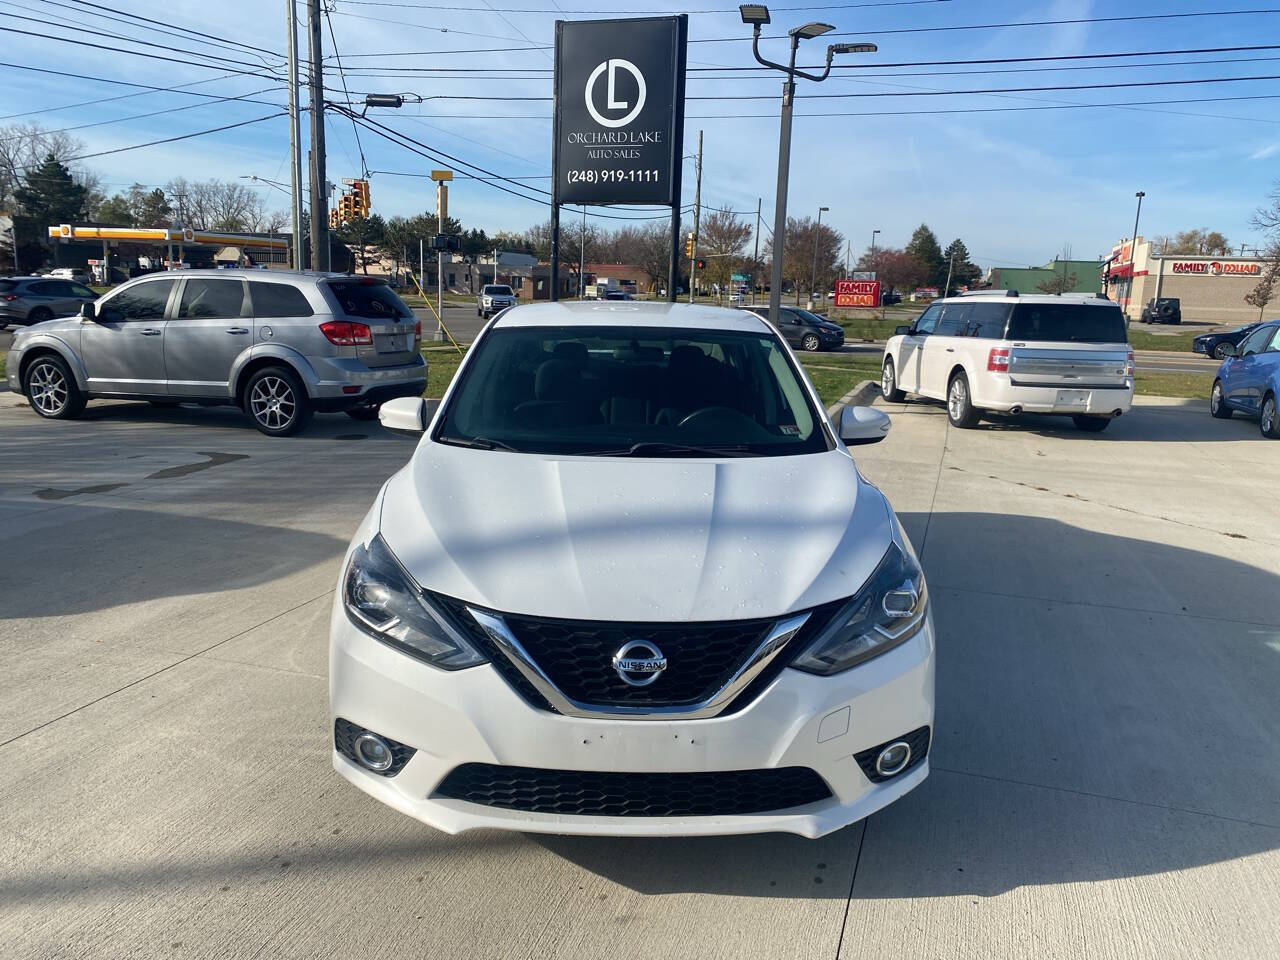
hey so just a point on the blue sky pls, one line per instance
(1016, 186)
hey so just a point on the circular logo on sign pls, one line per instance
(611, 102)
(1215, 268)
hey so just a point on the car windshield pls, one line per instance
(1168, 303)
(370, 300)
(499, 290)
(1071, 322)
(632, 391)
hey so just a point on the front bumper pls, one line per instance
(473, 716)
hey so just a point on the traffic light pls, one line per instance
(702, 264)
(335, 221)
(360, 198)
(688, 245)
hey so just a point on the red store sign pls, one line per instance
(857, 293)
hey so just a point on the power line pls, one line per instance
(570, 13)
(245, 98)
(124, 96)
(364, 167)
(166, 23)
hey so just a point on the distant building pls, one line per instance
(1088, 274)
(1210, 288)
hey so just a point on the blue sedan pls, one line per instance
(1249, 380)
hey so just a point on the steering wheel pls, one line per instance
(715, 416)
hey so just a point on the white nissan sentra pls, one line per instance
(631, 582)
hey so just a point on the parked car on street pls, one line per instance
(494, 297)
(802, 329)
(1215, 345)
(1248, 381)
(1162, 310)
(280, 345)
(998, 352)
(766, 663)
(26, 300)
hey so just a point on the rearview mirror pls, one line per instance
(901, 331)
(88, 311)
(406, 416)
(861, 425)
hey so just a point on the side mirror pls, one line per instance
(861, 425)
(88, 311)
(901, 331)
(1231, 350)
(406, 416)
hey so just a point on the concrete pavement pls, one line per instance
(1105, 772)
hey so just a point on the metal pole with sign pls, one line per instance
(618, 120)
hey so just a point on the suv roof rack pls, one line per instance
(989, 292)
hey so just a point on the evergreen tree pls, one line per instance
(49, 195)
(964, 273)
(924, 249)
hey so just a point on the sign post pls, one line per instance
(619, 120)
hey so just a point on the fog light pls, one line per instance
(893, 758)
(373, 752)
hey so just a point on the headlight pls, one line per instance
(383, 601)
(889, 610)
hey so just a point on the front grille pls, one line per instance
(577, 655)
(917, 740)
(579, 793)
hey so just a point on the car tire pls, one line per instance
(1091, 424)
(810, 343)
(277, 402)
(51, 390)
(960, 409)
(1217, 404)
(366, 412)
(889, 383)
(1220, 350)
(1269, 422)
(39, 315)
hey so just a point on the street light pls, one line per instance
(1133, 249)
(756, 15)
(817, 233)
(873, 244)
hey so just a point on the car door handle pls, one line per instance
(237, 329)
(951, 349)
(150, 331)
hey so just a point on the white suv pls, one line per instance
(1000, 352)
(593, 603)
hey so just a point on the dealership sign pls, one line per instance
(1217, 268)
(857, 293)
(619, 110)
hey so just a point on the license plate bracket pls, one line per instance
(1073, 398)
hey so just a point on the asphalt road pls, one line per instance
(1105, 776)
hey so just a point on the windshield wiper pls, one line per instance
(479, 443)
(651, 447)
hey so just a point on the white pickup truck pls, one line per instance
(1004, 353)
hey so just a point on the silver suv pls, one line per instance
(280, 345)
(33, 299)
(494, 298)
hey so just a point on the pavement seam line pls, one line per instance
(848, 902)
(1105, 606)
(1104, 796)
(156, 673)
(937, 482)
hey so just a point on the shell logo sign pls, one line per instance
(1216, 268)
(64, 230)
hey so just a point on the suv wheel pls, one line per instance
(276, 401)
(1269, 422)
(1220, 351)
(960, 409)
(1217, 406)
(810, 342)
(1091, 424)
(889, 383)
(51, 390)
(39, 315)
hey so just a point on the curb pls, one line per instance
(861, 395)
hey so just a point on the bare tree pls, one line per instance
(798, 249)
(1265, 291)
(722, 238)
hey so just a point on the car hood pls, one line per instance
(606, 538)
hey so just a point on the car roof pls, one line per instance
(638, 313)
(296, 277)
(1003, 296)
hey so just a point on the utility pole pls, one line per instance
(582, 251)
(442, 214)
(1133, 252)
(495, 265)
(847, 252)
(697, 213)
(946, 291)
(319, 201)
(813, 278)
(422, 268)
(295, 137)
(756, 258)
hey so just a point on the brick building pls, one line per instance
(1212, 289)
